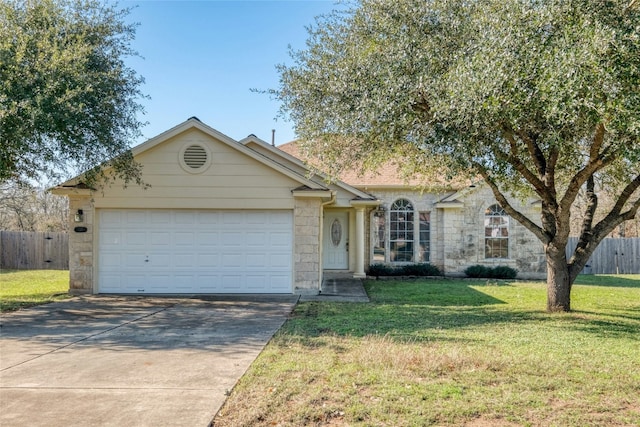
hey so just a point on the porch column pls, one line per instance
(359, 270)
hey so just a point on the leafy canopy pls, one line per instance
(538, 97)
(68, 102)
(473, 86)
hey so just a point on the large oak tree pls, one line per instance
(538, 97)
(68, 102)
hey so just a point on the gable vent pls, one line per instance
(195, 156)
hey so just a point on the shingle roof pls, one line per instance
(385, 176)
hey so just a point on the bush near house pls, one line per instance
(498, 272)
(421, 269)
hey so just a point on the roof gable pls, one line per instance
(147, 149)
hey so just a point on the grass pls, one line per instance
(451, 353)
(26, 288)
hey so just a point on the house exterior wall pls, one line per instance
(457, 232)
(463, 237)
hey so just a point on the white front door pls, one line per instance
(335, 244)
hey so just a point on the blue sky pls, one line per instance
(202, 58)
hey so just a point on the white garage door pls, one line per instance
(188, 251)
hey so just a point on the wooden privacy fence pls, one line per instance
(612, 256)
(34, 250)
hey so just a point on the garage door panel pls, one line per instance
(161, 238)
(184, 259)
(182, 238)
(134, 217)
(281, 261)
(135, 238)
(212, 260)
(280, 240)
(258, 260)
(208, 218)
(232, 239)
(256, 239)
(185, 218)
(232, 218)
(150, 251)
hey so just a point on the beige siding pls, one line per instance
(232, 181)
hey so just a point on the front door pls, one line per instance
(335, 246)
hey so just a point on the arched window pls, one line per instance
(401, 231)
(496, 232)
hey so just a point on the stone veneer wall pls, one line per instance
(306, 250)
(463, 233)
(81, 259)
(457, 234)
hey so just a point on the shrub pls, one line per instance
(503, 272)
(381, 270)
(498, 272)
(476, 271)
(421, 269)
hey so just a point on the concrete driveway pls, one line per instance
(130, 361)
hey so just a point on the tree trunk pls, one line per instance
(558, 279)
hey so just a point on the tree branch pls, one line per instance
(512, 158)
(535, 152)
(615, 217)
(582, 253)
(522, 219)
(598, 159)
(550, 173)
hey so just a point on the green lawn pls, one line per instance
(451, 353)
(26, 288)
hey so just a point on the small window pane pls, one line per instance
(379, 236)
(425, 237)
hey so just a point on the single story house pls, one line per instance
(227, 216)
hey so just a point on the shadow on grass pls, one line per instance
(424, 311)
(618, 326)
(418, 310)
(609, 280)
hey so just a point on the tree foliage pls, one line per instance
(68, 102)
(538, 97)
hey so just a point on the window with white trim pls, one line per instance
(401, 231)
(496, 232)
(424, 254)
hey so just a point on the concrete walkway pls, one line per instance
(130, 361)
(339, 287)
